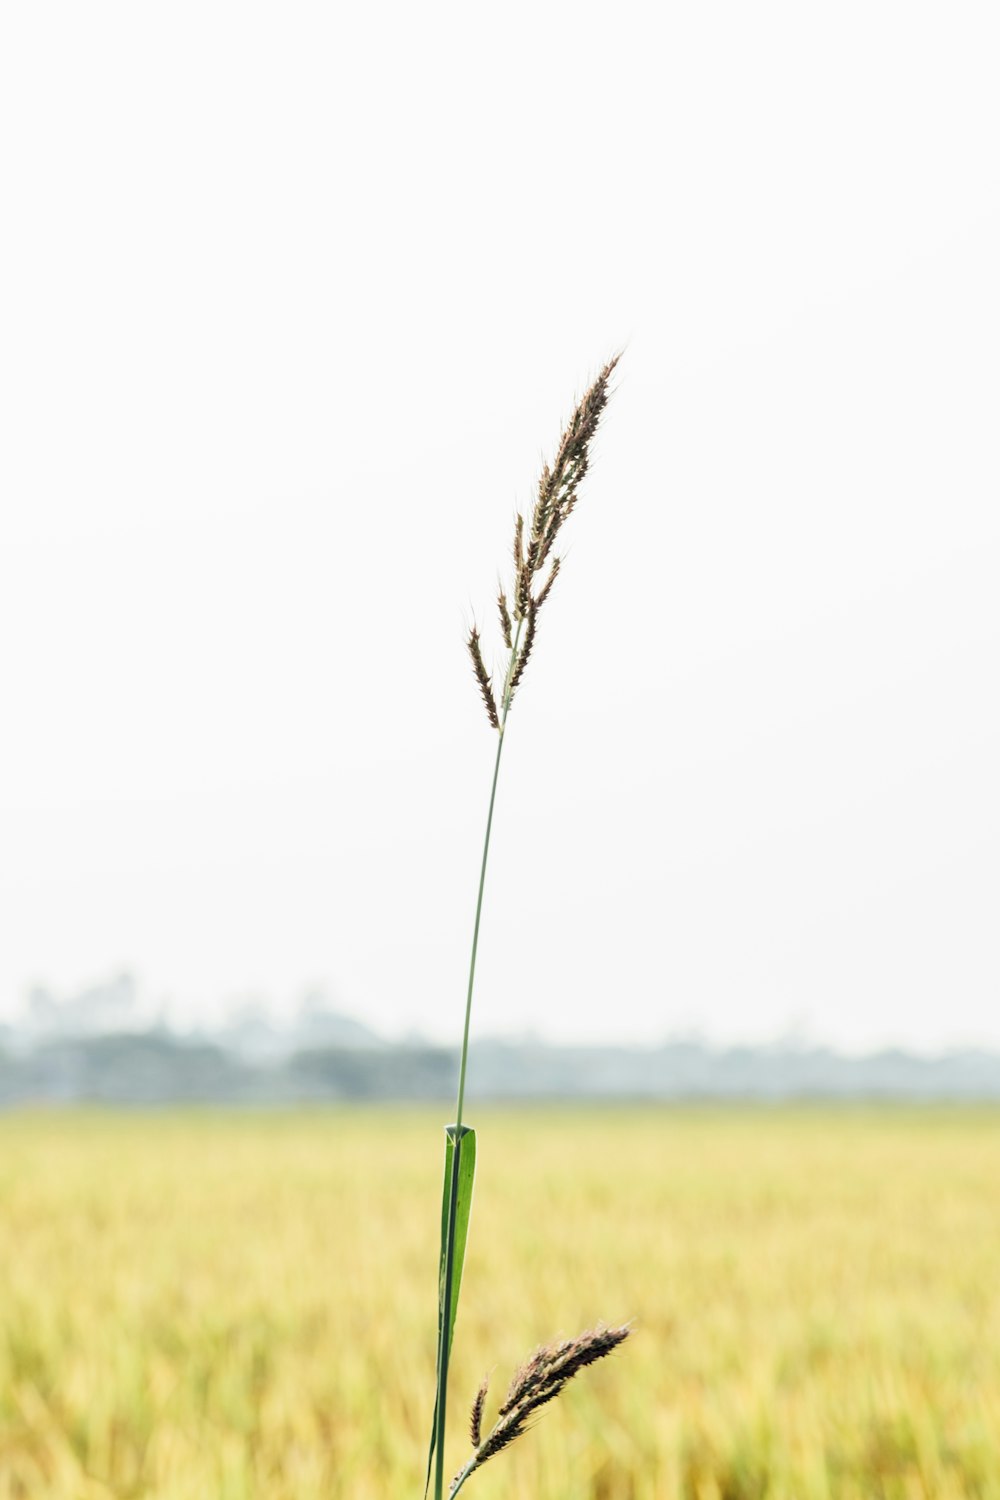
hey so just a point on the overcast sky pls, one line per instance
(295, 299)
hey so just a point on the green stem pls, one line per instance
(449, 1253)
(462, 1477)
(475, 935)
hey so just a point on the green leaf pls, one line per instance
(466, 1178)
(462, 1188)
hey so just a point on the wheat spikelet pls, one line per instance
(544, 594)
(518, 548)
(483, 677)
(476, 1417)
(524, 652)
(505, 620)
(518, 540)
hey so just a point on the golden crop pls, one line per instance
(210, 1306)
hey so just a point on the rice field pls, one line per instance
(213, 1306)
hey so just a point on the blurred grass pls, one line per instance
(201, 1305)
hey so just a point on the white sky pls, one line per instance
(294, 300)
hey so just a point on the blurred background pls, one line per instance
(294, 301)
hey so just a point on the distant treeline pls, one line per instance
(158, 1067)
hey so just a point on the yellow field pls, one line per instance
(213, 1307)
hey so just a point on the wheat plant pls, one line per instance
(535, 569)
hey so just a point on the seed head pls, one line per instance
(556, 496)
(538, 1381)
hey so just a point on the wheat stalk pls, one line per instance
(555, 499)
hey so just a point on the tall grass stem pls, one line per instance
(449, 1252)
(508, 688)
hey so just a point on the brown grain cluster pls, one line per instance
(483, 677)
(538, 1381)
(554, 502)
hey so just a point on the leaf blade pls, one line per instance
(463, 1187)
